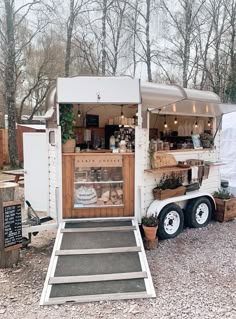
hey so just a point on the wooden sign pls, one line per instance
(12, 225)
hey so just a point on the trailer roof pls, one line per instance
(173, 99)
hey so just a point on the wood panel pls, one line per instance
(69, 211)
(67, 185)
(1, 150)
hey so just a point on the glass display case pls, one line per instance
(98, 181)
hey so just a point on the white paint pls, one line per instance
(36, 170)
(85, 89)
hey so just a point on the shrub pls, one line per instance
(150, 221)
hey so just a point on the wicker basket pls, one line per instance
(162, 159)
(167, 193)
(68, 146)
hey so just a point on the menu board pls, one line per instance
(12, 225)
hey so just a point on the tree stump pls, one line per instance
(8, 192)
(150, 244)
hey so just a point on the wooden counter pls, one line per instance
(96, 159)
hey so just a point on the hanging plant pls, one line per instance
(67, 122)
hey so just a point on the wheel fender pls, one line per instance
(157, 205)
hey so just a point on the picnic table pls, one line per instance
(15, 172)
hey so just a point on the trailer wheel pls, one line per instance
(198, 212)
(171, 221)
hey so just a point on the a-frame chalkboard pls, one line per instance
(12, 225)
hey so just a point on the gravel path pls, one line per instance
(194, 276)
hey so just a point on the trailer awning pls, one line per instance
(173, 99)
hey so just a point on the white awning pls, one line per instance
(173, 99)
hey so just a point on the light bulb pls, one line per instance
(209, 123)
(196, 125)
(78, 114)
(165, 125)
(122, 115)
(175, 121)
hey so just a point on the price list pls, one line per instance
(12, 225)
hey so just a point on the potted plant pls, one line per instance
(225, 205)
(169, 186)
(150, 225)
(67, 122)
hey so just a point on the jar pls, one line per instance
(123, 148)
(105, 175)
(92, 175)
(99, 175)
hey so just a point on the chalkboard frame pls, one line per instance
(18, 243)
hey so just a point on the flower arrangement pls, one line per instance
(223, 194)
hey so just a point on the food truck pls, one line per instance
(129, 137)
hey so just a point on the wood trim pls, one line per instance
(67, 184)
(94, 278)
(98, 229)
(101, 297)
(115, 250)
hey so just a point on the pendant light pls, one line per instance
(175, 121)
(209, 122)
(165, 124)
(122, 113)
(78, 114)
(196, 123)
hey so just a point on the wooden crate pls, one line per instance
(167, 193)
(225, 209)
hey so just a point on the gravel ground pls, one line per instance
(194, 277)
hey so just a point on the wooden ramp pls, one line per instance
(97, 260)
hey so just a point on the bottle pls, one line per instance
(112, 142)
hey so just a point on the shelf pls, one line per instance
(214, 163)
(102, 182)
(167, 169)
(94, 205)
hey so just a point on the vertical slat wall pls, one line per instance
(68, 163)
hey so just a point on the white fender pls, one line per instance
(157, 205)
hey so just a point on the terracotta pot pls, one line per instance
(68, 146)
(150, 232)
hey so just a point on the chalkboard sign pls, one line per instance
(12, 225)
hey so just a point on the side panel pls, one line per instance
(54, 172)
(98, 90)
(36, 172)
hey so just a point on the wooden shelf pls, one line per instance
(167, 169)
(97, 206)
(101, 182)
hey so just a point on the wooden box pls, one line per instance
(225, 209)
(167, 193)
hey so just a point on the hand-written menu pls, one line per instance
(12, 224)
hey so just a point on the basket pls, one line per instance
(167, 193)
(69, 146)
(162, 159)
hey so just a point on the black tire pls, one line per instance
(195, 210)
(162, 231)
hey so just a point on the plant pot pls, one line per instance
(167, 193)
(69, 146)
(150, 232)
(225, 209)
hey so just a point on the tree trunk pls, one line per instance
(10, 80)
(104, 17)
(70, 27)
(7, 258)
(148, 49)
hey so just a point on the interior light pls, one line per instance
(165, 124)
(122, 113)
(175, 121)
(207, 108)
(136, 114)
(196, 123)
(209, 122)
(174, 107)
(194, 107)
(78, 114)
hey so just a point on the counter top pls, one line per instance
(97, 153)
(189, 150)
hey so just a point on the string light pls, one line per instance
(209, 122)
(78, 114)
(175, 121)
(196, 123)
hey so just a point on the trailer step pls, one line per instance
(94, 261)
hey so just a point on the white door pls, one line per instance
(36, 170)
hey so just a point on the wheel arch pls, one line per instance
(157, 205)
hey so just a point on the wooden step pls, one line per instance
(92, 298)
(114, 250)
(98, 229)
(93, 278)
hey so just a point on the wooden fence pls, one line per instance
(19, 139)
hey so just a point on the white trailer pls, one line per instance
(102, 235)
(150, 100)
